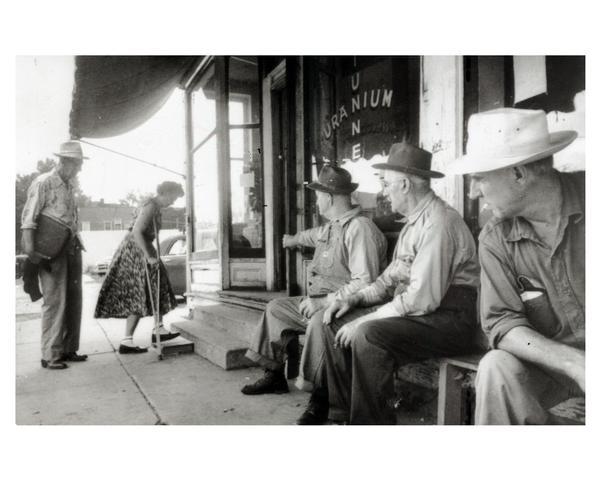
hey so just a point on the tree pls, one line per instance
(135, 199)
(22, 184)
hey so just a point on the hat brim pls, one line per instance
(479, 164)
(412, 171)
(71, 156)
(322, 188)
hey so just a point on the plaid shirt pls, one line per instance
(51, 196)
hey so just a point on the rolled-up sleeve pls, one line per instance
(308, 238)
(36, 197)
(501, 305)
(364, 257)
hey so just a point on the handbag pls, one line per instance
(51, 236)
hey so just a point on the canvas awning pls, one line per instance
(115, 94)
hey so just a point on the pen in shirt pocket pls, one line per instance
(529, 288)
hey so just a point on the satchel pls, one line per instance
(51, 236)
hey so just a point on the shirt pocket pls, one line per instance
(540, 314)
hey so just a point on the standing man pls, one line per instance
(349, 254)
(532, 255)
(51, 195)
(422, 306)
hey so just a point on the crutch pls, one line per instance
(156, 305)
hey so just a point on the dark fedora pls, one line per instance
(334, 180)
(407, 158)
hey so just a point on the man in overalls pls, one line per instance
(350, 252)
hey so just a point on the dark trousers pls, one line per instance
(360, 379)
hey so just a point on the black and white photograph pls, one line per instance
(383, 244)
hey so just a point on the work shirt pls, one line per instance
(525, 283)
(435, 250)
(49, 195)
(350, 251)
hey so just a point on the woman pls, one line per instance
(125, 292)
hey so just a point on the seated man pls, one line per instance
(423, 305)
(349, 254)
(532, 256)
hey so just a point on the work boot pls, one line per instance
(273, 381)
(318, 409)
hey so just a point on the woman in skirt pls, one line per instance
(125, 292)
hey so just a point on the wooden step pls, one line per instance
(218, 346)
(237, 321)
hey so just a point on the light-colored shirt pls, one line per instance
(49, 195)
(525, 283)
(364, 253)
(435, 250)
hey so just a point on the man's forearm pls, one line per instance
(28, 235)
(531, 346)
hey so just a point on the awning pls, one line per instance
(115, 94)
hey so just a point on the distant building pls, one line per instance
(114, 216)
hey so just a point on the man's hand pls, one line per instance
(309, 306)
(344, 336)
(152, 260)
(288, 241)
(35, 257)
(338, 309)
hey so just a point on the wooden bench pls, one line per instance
(456, 395)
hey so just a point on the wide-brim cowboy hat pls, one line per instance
(333, 179)
(508, 137)
(71, 149)
(407, 158)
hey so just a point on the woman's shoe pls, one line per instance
(54, 365)
(124, 349)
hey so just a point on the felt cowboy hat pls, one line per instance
(407, 158)
(71, 149)
(507, 137)
(334, 180)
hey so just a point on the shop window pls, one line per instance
(107, 225)
(247, 230)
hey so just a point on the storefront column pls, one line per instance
(441, 121)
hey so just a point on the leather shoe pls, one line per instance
(164, 337)
(272, 382)
(315, 414)
(124, 349)
(73, 357)
(54, 365)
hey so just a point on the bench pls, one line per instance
(456, 395)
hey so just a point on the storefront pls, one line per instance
(258, 129)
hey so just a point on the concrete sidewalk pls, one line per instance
(113, 389)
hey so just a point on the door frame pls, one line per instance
(274, 80)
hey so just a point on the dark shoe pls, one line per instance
(123, 349)
(272, 382)
(54, 365)
(73, 357)
(315, 414)
(165, 336)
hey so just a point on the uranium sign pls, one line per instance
(374, 108)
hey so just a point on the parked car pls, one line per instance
(101, 267)
(173, 254)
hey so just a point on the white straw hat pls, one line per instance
(506, 137)
(71, 149)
